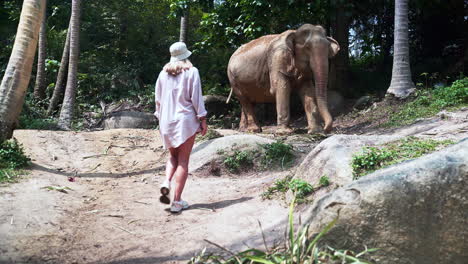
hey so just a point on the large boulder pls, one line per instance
(129, 119)
(332, 158)
(415, 212)
(207, 151)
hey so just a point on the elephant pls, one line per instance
(269, 68)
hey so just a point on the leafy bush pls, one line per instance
(277, 154)
(374, 158)
(12, 157)
(239, 160)
(324, 181)
(430, 102)
(301, 188)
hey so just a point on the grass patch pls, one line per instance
(429, 102)
(12, 159)
(301, 188)
(277, 154)
(266, 156)
(299, 248)
(374, 158)
(239, 160)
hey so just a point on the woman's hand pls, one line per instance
(204, 127)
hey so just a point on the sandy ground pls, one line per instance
(112, 213)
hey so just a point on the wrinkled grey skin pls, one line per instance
(269, 68)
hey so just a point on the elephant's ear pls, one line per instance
(334, 47)
(290, 61)
(291, 41)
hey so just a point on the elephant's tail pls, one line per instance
(229, 97)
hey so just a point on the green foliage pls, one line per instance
(277, 154)
(239, 160)
(12, 158)
(429, 102)
(375, 158)
(324, 181)
(300, 188)
(299, 248)
(279, 186)
(34, 116)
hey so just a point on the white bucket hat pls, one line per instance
(179, 51)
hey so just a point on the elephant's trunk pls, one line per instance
(319, 64)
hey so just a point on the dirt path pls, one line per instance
(113, 214)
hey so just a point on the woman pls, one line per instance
(181, 114)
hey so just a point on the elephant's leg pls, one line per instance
(282, 89)
(243, 120)
(306, 92)
(249, 117)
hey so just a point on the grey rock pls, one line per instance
(206, 151)
(332, 158)
(415, 212)
(129, 119)
(363, 102)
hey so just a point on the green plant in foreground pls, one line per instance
(374, 158)
(277, 153)
(238, 160)
(12, 158)
(430, 102)
(299, 248)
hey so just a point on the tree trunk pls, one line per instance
(59, 84)
(184, 26)
(40, 86)
(401, 85)
(18, 72)
(339, 68)
(68, 105)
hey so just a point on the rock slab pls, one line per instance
(415, 212)
(206, 151)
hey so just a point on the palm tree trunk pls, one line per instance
(59, 84)
(184, 26)
(66, 113)
(401, 85)
(40, 86)
(339, 68)
(18, 72)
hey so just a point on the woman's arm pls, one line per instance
(197, 96)
(157, 96)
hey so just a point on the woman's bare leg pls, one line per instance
(171, 164)
(181, 172)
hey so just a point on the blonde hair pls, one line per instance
(174, 68)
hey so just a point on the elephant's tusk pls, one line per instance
(229, 97)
